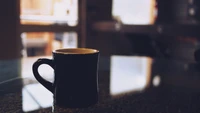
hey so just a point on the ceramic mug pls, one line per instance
(76, 77)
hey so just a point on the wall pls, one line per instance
(10, 41)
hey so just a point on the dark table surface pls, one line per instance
(116, 95)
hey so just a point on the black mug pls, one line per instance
(76, 77)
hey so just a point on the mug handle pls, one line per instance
(38, 77)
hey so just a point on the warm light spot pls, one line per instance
(156, 81)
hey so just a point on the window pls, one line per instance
(53, 16)
(49, 12)
(134, 11)
(47, 25)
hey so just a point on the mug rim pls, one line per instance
(87, 51)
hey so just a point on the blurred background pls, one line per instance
(36, 27)
(154, 29)
(138, 40)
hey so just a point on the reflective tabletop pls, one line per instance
(132, 85)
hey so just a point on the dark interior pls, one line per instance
(171, 40)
